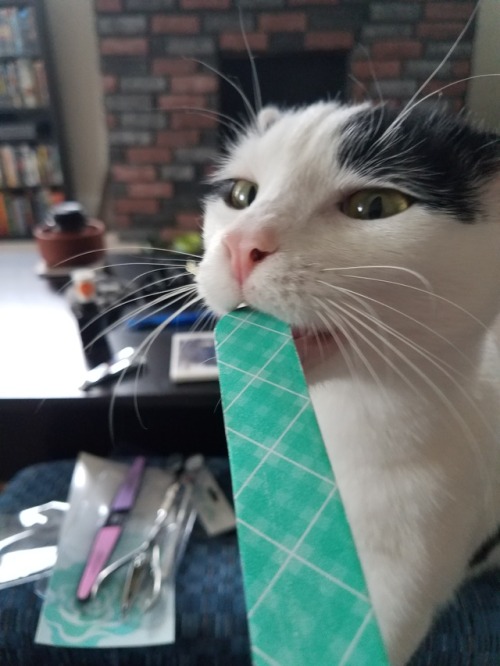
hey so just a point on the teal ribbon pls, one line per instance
(306, 596)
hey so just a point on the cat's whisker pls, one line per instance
(251, 111)
(396, 124)
(181, 253)
(449, 85)
(145, 260)
(406, 155)
(255, 79)
(151, 265)
(359, 299)
(405, 316)
(410, 105)
(402, 269)
(473, 442)
(436, 362)
(372, 72)
(419, 392)
(340, 324)
(104, 268)
(128, 295)
(331, 325)
(360, 84)
(438, 392)
(162, 300)
(349, 318)
(170, 278)
(142, 351)
(136, 295)
(234, 125)
(353, 296)
(139, 251)
(204, 319)
(379, 121)
(149, 339)
(228, 121)
(443, 299)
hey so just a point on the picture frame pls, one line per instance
(192, 357)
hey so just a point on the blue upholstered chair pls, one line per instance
(211, 620)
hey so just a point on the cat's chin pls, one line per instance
(314, 348)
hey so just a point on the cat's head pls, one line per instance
(327, 215)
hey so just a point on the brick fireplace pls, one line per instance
(161, 93)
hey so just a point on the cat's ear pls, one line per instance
(267, 117)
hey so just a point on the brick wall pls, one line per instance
(161, 148)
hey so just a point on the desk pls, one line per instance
(44, 415)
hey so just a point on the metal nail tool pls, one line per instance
(107, 535)
(148, 565)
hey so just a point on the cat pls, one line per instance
(376, 235)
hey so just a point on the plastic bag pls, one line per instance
(28, 542)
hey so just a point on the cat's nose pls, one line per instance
(247, 249)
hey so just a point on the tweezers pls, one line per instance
(146, 563)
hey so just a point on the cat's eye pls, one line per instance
(241, 194)
(374, 204)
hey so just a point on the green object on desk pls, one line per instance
(307, 601)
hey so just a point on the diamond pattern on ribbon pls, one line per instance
(305, 592)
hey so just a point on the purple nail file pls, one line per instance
(108, 535)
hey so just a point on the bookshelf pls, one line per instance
(33, 166)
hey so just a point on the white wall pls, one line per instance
(74, 44)
(484, 93)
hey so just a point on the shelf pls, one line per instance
(17, 3)
(24, 111)
(34, 55)
(31, 137)
(16, 237)
(21, 189)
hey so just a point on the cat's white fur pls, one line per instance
(413, 440)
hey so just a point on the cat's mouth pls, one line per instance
(316, 346)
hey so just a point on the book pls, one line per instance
(56, 175)
(42, 156)
(8, 163)
(15, 37)
(28, 166)
(26, 82)
(40, 78)
(13, 84)
(27, 29)
(18, 220)
(5, 33)
(42, 200)
(5, 98)
(4, 218)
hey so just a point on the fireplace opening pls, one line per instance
(284, 79)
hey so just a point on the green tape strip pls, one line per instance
(306, 596)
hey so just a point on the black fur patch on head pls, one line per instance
(436, 157)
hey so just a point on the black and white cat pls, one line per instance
(377, 237)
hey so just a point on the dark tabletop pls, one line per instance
(44, 415)
(41, 354)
